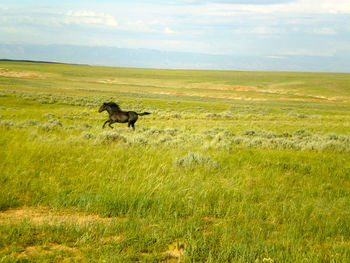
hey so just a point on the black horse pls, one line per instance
(117, 115)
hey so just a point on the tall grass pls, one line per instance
(200, 180)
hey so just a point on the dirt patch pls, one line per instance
(41, 215)
(209, 96)
(223, 87)
(19, 74)
(130, 82)
(176, 251)
(239, 88)
(114, 81)
(47, 249)
(247, 97)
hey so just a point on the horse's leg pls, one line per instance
(133, 125)
(110, 125)
(105, 123)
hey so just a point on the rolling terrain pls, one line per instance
(231, 166)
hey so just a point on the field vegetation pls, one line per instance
(229, 167)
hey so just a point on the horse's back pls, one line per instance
(133, 116)
(120, 117)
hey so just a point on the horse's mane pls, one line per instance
(112, 104)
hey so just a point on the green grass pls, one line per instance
(229, 167)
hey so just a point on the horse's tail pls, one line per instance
(144, 113)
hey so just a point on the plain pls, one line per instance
(229, 167)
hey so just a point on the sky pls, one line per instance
(267, 28)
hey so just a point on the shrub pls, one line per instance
(334, 146)
(7, 123)
(170, 131)
(138, 139)
(248, 132)
(302, 133)
(87, 135)
(268, 134)
(222, 140)
(86, 125)
(50, 125)
(154, 131)
(176, 116)
(344, 138)
(192, 160)
(238, 140)
(286, 134)
(332, 136)
(165, 139)
(27, 123)
(226, 114)
(49, 116)
(302, 116)
(110, 136)
(212, 115)
(256, 142)
(84, 113)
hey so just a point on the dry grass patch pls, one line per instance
(110, 239)
(204, 95)
(41, 215)
(31, 251)
(176, 250)
(19, 74)
(215, 86)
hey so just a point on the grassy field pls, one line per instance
(229, 167)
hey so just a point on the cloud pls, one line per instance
(152, 26)
(254, 27)
(165, 45)
(88, 17)
(290, 7)
(316, 51)
(10, 29)
(324, 31)
(168, 31)
(276, 57)
(260, 30)
(246, 2)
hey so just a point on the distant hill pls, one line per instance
(34, 61)
(145, 58)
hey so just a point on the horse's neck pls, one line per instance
(111, 110)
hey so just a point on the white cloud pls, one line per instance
(168, 31)
(155, 22)
(299, 6)
(324, 31)
(259, 30)
(300, 27)
(89, 17)
(153, 26)
(316, 51)
(10, 29)
(164, 44)
(139, 26)
(137, 23)
(276, 57)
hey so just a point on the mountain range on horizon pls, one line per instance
(147, 58)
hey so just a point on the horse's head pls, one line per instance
(103, 107)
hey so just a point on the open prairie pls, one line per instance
(230, 166)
